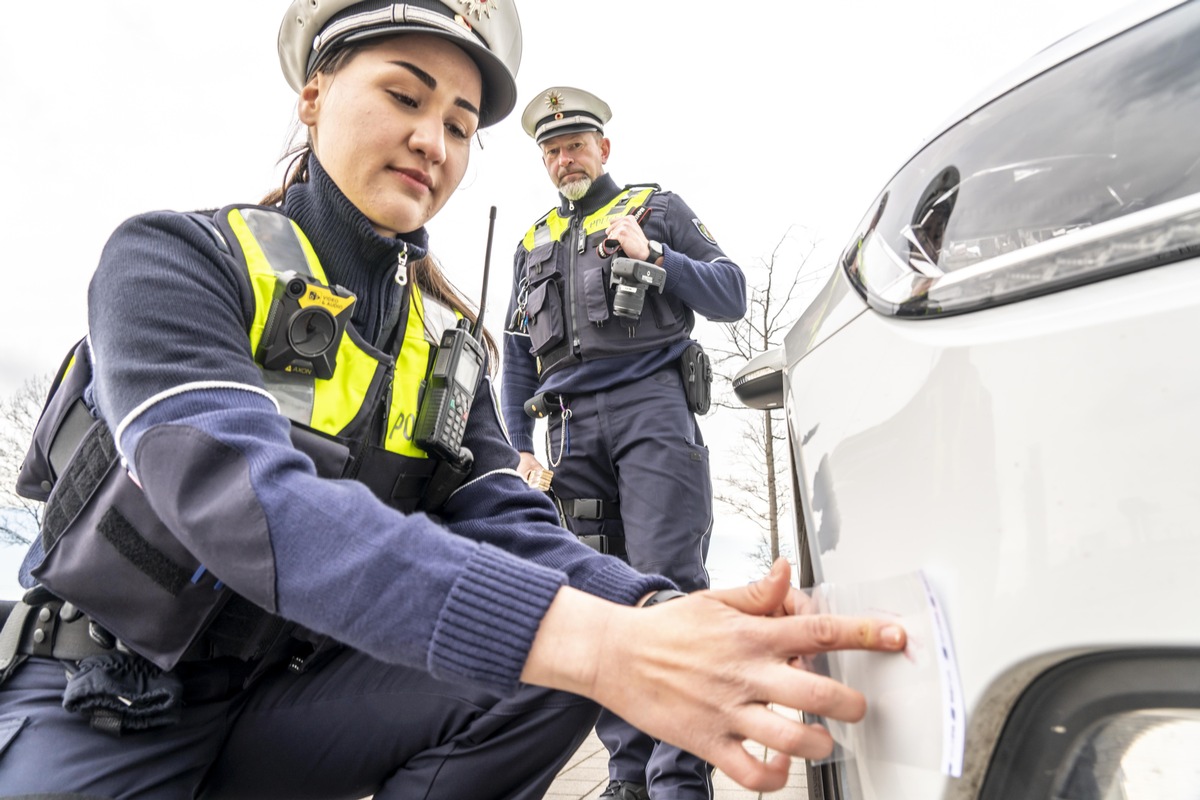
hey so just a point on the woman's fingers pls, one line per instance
(823, 632)
(801, 690)
(764, 596)
(744, 758)
(749, 769)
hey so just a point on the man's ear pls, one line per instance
(605, 146)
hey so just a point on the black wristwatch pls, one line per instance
(656, 251)
(662, 596)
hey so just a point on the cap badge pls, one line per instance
(480, 8)
(554, 100)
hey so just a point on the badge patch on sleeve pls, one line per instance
(703, 231)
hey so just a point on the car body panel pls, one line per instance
(1047, 452)
(997, 391)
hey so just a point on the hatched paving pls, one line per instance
(586, 774)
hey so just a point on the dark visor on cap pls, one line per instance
(562, 123)
(364, 20)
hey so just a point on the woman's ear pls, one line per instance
(308, 107)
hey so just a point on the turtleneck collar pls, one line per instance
(352, 254)
(604, 188)
(341, 234)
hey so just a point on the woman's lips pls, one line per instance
(416, 177)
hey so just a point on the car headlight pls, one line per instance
(1067, 257)
(1086, 171)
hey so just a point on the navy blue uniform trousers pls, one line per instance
(638, 445)
(353, 728)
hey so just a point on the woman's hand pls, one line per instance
(701, 672)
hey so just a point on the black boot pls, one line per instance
(624, 790)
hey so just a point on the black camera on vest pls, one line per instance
(304, 326)
(630, 279)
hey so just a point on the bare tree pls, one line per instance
(19, 413)
(778, 287)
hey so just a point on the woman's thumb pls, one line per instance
(762, 597)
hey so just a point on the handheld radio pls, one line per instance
(449, 392)
(453, 380)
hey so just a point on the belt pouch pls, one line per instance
(696, 370)
(109, 554)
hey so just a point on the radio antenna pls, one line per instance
(477, 331)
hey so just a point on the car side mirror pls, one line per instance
(759, 384)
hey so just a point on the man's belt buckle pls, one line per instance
(589, 508)
(596, 541)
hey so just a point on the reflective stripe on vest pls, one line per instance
(273, 244)
(552, 227)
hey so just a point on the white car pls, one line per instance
(994, 408)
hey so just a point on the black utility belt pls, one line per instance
(50, 629)
(605, 543)
(587, 508)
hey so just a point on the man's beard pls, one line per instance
(576, 187)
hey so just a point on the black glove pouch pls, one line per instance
(121, 692)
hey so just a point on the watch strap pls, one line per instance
(662, 596)
(656, 251)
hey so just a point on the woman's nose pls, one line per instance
(429, 139)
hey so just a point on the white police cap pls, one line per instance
(488, 30)
(564, 109)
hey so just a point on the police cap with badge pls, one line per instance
(560, 110)
(489, 31)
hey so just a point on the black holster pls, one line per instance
(696, 370)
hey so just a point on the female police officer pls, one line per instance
(263, 571)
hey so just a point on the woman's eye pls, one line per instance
(403, 99)
(457, 131)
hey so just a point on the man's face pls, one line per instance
(574, 158)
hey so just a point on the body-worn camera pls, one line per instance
(630, 279)
(304, 326)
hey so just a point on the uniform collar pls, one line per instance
(352, 254)
(350, 250)
(604, 188)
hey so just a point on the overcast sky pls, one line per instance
(766, 117)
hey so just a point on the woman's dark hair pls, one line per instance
(427, 272)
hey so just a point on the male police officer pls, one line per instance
(605, 290)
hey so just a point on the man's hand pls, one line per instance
(701, 672)
(528, 466)
(631, 237)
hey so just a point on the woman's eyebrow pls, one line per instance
(430, 81)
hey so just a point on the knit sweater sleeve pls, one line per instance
(174, 375)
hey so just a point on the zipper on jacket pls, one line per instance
(402, 265)
(577, 231)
